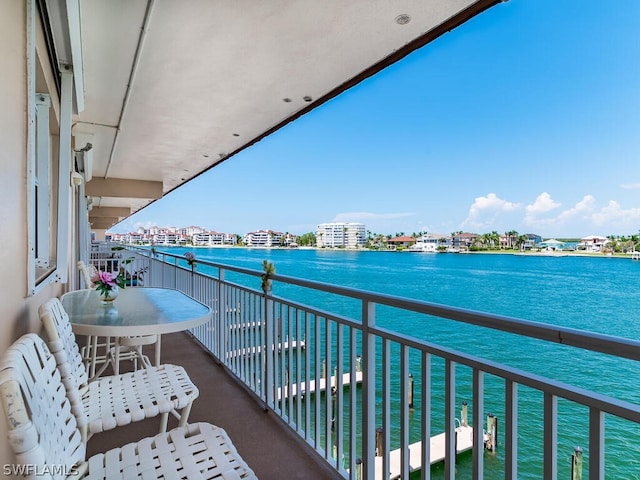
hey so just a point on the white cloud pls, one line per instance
(630, 186)
(585, 217)
(485, 212)
(534, 216)
(543, 203)
(614, 216)
(581, 210)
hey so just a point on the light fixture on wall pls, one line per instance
(84, 157)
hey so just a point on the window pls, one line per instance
(42, 199)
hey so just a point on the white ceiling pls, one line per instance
(174, 87)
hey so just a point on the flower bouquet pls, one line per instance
(108, 286)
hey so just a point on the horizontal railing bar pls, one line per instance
(620, 408)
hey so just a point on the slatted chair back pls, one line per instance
(88, 273)
(62, 343)
(42, 430)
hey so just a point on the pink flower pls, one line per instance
(105, 277)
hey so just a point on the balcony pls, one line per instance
(263, 355)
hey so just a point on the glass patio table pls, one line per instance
(137, 312)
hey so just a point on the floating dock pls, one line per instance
(464, 443)
(300, 389)
(257, 350)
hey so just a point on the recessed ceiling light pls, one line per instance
(403, 19)
(205, 155)
(236, 134)
(287, 100)
(307, 98)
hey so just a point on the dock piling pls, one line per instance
(410, 387)
(464, 414)
(576, 464)
(379, 440)
(491, 442)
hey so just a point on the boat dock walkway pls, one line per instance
(322, 385)
(258, 349)
(464, 443)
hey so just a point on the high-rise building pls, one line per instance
(341, 235)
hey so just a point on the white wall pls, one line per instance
(18, 312)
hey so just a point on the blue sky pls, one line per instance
(526, 118)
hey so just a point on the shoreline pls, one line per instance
(484, 252)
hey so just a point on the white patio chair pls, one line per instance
(45, 437)
(88, 273)
(114, 400)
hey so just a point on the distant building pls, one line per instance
(551, 245)
(264, 238)
(463, 240)
(400, 242)
(341, 235)
(213, 239)
(592, 243)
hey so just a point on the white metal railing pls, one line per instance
(347, 386)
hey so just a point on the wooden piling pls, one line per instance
(576, 464)
(492, 432)
(464, 414)
(379, 442)
(410, 393)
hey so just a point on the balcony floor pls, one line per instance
(268, 446)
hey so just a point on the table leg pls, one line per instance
(158, 350)
(116, 366)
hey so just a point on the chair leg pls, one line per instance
(164, 418)
(184, 415)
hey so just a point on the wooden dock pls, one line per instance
(322, 385)
(258, 349)
(464, 443)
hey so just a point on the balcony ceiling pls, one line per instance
(174, 88)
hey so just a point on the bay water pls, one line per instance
(596, 294)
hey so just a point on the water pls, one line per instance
(595, 294)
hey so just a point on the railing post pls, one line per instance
(269, 349)
(368, 389)
(219, 318)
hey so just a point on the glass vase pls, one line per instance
(108, 296)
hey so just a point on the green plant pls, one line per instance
(105, 282)
(269, 272)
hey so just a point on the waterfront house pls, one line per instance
(263, 239)
(463, 240)
(551, 245)
(401, 242)
(109, 106)
(592, 244)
